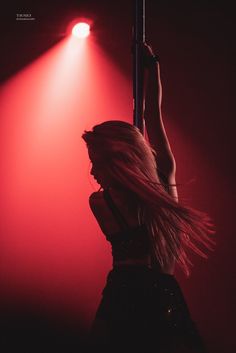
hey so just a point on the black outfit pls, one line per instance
(142, 309)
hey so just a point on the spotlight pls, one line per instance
(81, 30)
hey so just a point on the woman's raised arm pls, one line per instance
(153, 120)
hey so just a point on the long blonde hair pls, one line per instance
(129, 160)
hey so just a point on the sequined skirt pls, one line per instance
(143, 310)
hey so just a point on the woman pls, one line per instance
(142, 307)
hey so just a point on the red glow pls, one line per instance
(81, 30)
(52, 246)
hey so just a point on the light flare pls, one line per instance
(81, 30)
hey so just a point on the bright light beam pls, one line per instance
(81, 30)
(51, 235)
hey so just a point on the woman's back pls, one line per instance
(127, 206)
(125, 202)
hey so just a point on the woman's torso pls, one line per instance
(127, 204)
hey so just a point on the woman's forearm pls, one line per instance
(153, 118)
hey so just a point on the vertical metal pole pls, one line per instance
(138, 71)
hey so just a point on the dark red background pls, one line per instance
(196, 45)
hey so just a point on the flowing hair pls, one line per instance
(129, 161)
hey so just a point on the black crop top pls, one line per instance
(130, 242)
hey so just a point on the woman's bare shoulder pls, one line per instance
(98, 208)
(95, 198)
(102, 213)
(96, 195)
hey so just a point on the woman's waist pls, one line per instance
(143, 262)
(146, 260)
(138, 275)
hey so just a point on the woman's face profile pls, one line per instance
(97, 170)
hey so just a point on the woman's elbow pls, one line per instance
(167, 166)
